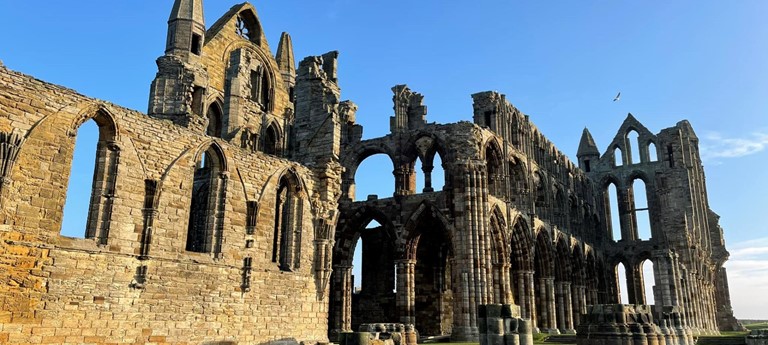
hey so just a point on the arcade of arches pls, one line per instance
(516, 222)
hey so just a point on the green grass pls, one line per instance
(761, 325)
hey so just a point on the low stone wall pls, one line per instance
(622, 324)
(758, 337)
(500, 324)
(381, 334)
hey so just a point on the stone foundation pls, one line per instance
(500, 324)
(621, 324)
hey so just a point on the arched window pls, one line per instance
(641, 214)
(494, 170)
(613, 219)
(94, 175)
(633, 147)
(214, 120)
(261, 89)
(206, 212)
(649, 281)
(286, 245)
(652, 154)
(618, 157)
(621, 284)
(272, 141)
(247, 26)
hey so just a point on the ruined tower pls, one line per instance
(178, 92)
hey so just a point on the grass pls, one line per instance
(761, 325)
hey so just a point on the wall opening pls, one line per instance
(613, 217)
(373, 271)
(617, 157)
(641, 212)
(197, 44)
(272, 141)
(81, 181)
(208, 193)
(649, 280)
(633, 147)
(621, 277)
(286, 244)
(198, 94)
(357, 258)
(214, 116)
(652, 154)
(374, 176)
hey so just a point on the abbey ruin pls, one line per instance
(226, 214)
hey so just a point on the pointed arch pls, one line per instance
(499, 243)
(103, 181)
(563, 262)
(494, 165)
(544, 254)
(289, 213)
(248, 25)
(521, 246)
(273, 139)
(209, 192)
(414, 228)
(215, 117)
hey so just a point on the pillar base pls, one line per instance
(465, 335)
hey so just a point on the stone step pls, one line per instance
(726, 340)
(561, 339)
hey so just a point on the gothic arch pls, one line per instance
(289, 199)
(521, 245)
(273, 139)
(207, 200)
(349, 230)
(412, 231)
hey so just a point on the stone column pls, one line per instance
(502, 284)
(551, 306)
(341, 309)
(427, 169)
(405, 183)
(524, 281)
(405, 299)
(567, 327)
(579, 303)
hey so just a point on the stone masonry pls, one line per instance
(226, 213)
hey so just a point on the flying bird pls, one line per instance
(618, 96)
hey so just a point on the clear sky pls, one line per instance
(561, 62)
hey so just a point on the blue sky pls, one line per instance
(561, 62)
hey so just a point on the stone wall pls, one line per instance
(128, 287)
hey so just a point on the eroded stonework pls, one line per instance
(225, 215)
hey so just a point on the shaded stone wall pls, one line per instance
(259, 267)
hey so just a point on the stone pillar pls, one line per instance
(405, 300)
(579, 303)
(472, 254)
(551, 306)
(427, 168)
(502, 285)
(635, 288)
(405, 180)
(525, 297)
(341, 309)
(565, 308)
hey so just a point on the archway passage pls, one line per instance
(431, 248)
(364, 245)
(374, 301)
